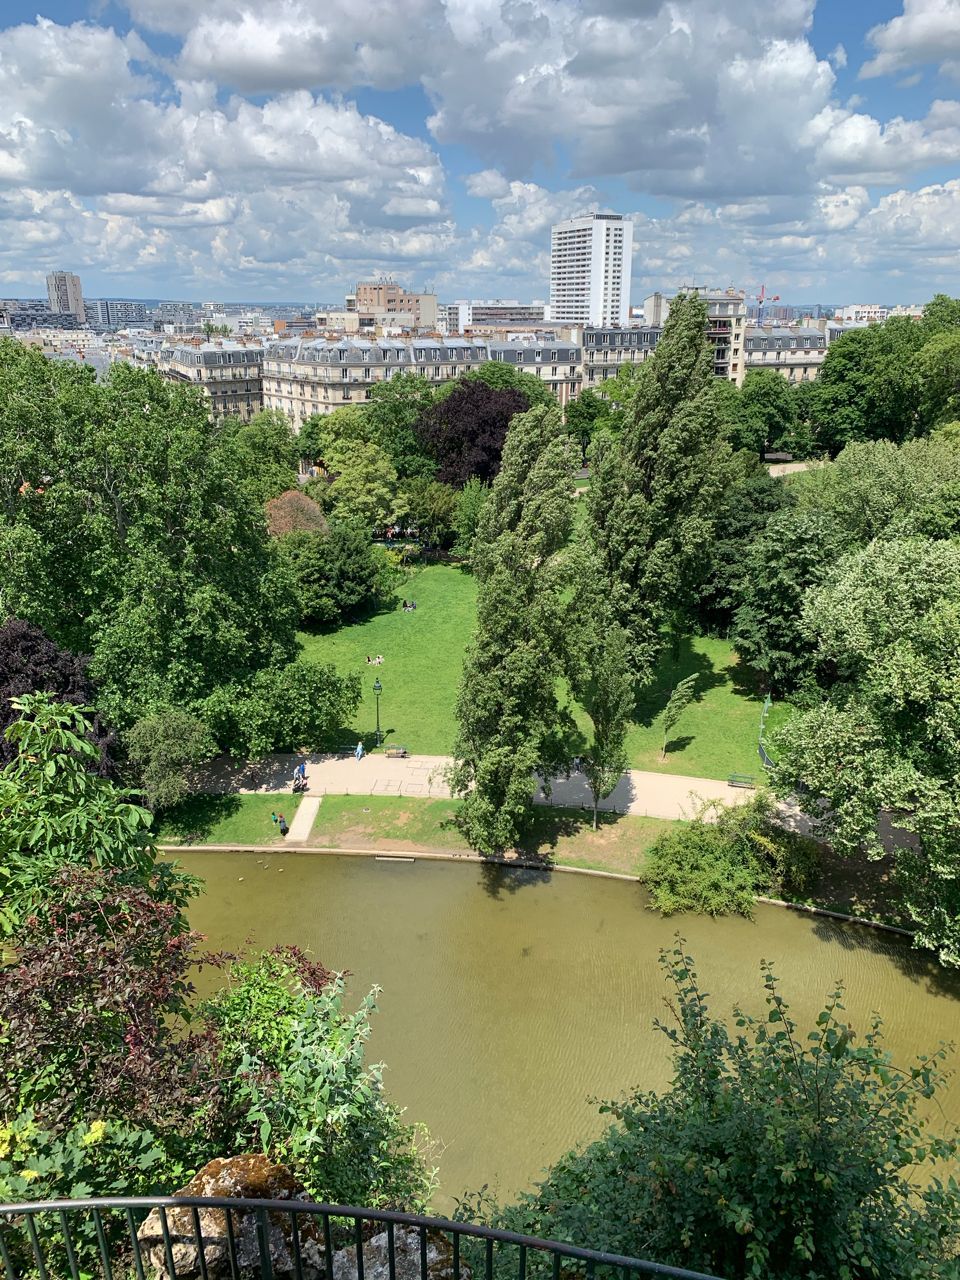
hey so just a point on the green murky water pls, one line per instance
(510, 998)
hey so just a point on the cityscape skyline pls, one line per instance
(170, 150)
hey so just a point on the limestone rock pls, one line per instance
(250, 1177)
(406, 1241)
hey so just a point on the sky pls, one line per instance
(285, 149)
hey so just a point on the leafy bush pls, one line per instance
(773, 1153)
(164, 748)
(340, 575)
(102, 1158)
(718, 863)
(56, 811)
(285, 708)
(291, 1058)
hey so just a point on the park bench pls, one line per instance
(396, 753)
(741, 780)
(344, 749)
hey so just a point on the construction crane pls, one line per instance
(761, 298)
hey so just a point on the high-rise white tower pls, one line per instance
(65, 293)
(590, 261)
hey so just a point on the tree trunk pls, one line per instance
(596, 805)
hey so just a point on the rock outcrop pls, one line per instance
(406, 1244)
(251, 1177)
(256, 1177)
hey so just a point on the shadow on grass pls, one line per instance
(653, 696)
(679, 744)
(193, 820)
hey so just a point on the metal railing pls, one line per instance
(267, 1239)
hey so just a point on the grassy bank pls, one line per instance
(423, 658)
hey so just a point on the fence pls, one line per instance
(268, 1238)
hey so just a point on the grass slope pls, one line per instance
(401, 823)
(422, 659)
(226, 819)
(423, 656)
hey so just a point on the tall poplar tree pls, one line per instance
(511, 725)
(656, 490)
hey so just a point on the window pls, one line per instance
(553, 355)
(553, 372)
(538, 355)
(346, 393)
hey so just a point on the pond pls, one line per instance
(510, 998)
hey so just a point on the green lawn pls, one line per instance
(423, 655)
(402, 823)
(226, 819)
(422, 659)
(409, 824)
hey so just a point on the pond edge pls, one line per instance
(523, 864)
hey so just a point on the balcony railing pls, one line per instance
(190, 1235)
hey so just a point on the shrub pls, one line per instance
(774, 1152)
(164, 748)
(718, 863)
(291, 1058)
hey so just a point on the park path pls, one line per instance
(640, 793)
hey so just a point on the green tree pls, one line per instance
(431, 508)
(776, 1151)
(394, 408)
(363, 485)
(56, 811)
(939, 363)
(767, 412)
(300, 706)
(682, 695)
(602, 682)
(340, 575)
(510, 725)
(886, 623)
(466, 518)
(655, 492)
(264, 453)
(130, 534)
(749, 499)
(164, 749)
(941, 314)
(870, 387)
(795, 551)
(583, 416)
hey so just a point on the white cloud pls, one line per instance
(927, 32)
(838, 58)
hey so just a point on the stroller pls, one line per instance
(300, 778)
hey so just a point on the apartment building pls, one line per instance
(796, 351)
(506, 313)
(385, 296)
(302, 378)
(547, 357)
(725, 327)
(65, 294)
(590, 269)
(115, 313)
(606, 350)
(229, 374)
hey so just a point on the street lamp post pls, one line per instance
(377, 690)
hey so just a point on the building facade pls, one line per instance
(724, 330)
(590, 270)
(302, 378)
(605, 351)
(551, 359)
(65, 294)
(459, 316)
(229, 374)
(385, 296)
(796, 351)
(115, 313)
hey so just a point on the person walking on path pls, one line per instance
(359, 751)
(273, 818)
(283, 824)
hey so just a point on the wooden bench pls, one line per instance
(396, 753)
(742, 780)
(345, 749)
